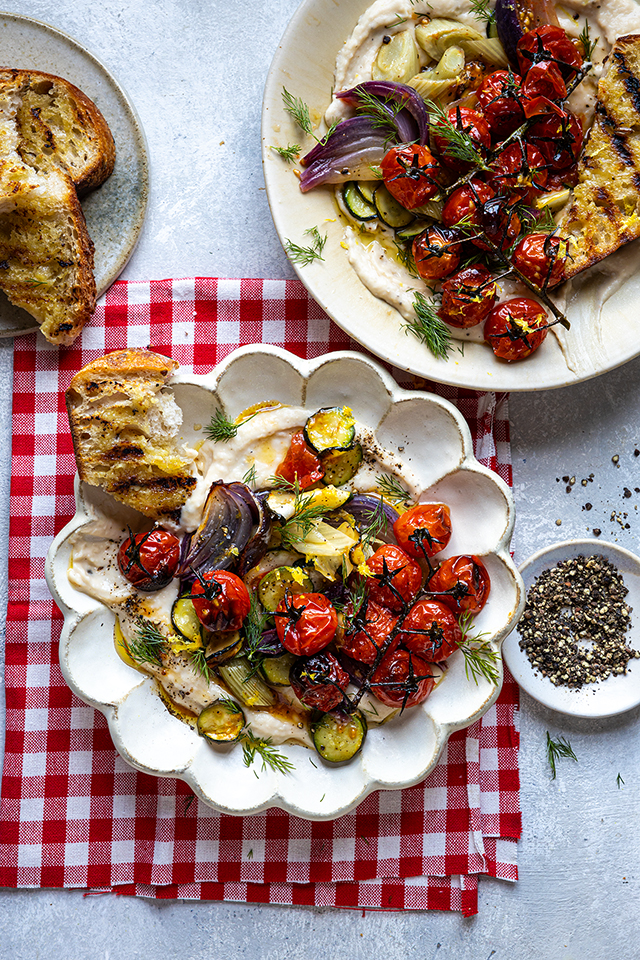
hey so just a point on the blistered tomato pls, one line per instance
(149, 560)
(368, 631)
(410, 175)
(305, 623)
(462, 584)
(515, 328)
(437, 252)
(423, 530)
(394, 577)
(221, 600)
(431, 630)
(541, 258)
(467, 297)
(300, 464)
(402, 679)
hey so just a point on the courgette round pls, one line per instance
(390, 211)
(221, 722)
(367, 188)
(330, 429)
(276, 669)
(357, 206)
(222, 644)
(339, 468)
(185, 619)
(276, 584)
(339, 739)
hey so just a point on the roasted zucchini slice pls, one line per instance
(222, 644)
(185, 619)
(338, 739)
(367, 188)
(339, 467)
(412, 231)
(357, 206)
(276, 669)
(390, 211)
(330, 429)
(275, 585)
(221, 722)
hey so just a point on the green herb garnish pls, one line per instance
(147, 643)
(306, 255)
(459, 145)
(588, 45)
(481, 11)
(250, 476)
(619, 781)
(558, 749)
(253, 747)
(391, 488)
(429, 328)
(288, 153)
(305, 512)
(297, 109)
(199, 663)
(221, 428)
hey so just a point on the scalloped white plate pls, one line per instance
(304, 63)
(436, 445)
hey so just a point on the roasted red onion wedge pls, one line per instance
(228, 518)
(514, 18)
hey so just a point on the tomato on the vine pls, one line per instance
(541, 258)
(544, 80)
(394, 577)
(431, 630)
(150, 560)
(462, 584)
(519, 167)
(410, 174)
(221, 600)
(300, 464)
(558, 137)
(402, 679)
(370, 628)
(466, 121)
(467, 297)
(437, 252)
(500, 97)
(549, 43)
(423, 530)
(305, 623)
(319, 681)
(515, 328)
(500, 223)
(465, 204)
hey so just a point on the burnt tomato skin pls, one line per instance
(437, 252)
(559, 138)
(300, 464)
(462, 583)
(395, 578)
(468, 297)
(500, 99)
(466, 204)
(319, 681)
(410, 174)
(423, 530)
(305, 623)
(549, 43)
(515, 328)
(541, 258)
(431, 630)
(402, 679)
(544, 80)
(149, 560)
(519, 167)
(221, 600)
(369, 630)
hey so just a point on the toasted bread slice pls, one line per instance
(124, 423)
(59, 125)
(604, 212)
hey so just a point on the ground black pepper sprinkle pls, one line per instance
(574, 622)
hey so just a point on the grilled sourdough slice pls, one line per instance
(604, 212)
(124, 423)
(59, 125)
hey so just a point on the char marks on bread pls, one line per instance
(125, 423)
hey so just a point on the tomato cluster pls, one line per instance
(527, 143)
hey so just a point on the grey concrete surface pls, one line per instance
(195, 71)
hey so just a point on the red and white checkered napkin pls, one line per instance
(73, 813)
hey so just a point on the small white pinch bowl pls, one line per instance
(437, 446)
(609, 697)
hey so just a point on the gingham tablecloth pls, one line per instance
(73, 814)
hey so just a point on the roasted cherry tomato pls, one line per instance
(519, 167)
(500, 224)
(305, 623)
(500, 97)
(402, 679)
(423, 530)
(467, 297)
(370, 628)
(544, 80)
(549, 43)
(300, 464)
(395, 578)
(437, 252)
(462, 584)
(541, 258)
(474, 125)
(221, 600)
(410, 175)
(465, 204)
(149, 560)
(431, 630)
(319, 681)
(558, 137)
(515, 328)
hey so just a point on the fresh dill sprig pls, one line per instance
(404, 254)
(429, 328)
(356, 596)
(542, 222)
(305, 513)
(250, 476)
(619, 781)
(376, 519)
(323, 139)
(298, 110)
(199, 663)
(480, 659)
(382, 111)
(221, 428)
(588, 45)
(253, 747)
(459, 145)
(558, 749)
(145, 646)
(230, 704)
(253, 628)
(391, 488)
(481, 11)
(306, 255)
(288, 153)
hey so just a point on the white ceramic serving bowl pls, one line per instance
(438, 447)
(304, 64)
(595, 700)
